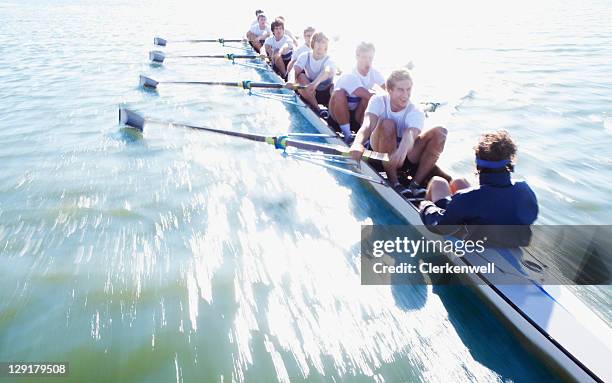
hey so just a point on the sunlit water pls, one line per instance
(182, 256)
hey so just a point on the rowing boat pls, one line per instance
(569, 336)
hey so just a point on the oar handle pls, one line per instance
(370, 154)
(293, 86)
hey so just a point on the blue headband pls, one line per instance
(491, 164)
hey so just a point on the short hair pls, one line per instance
(277, 23)
(309, 29)
(496, 146)
(261, 15)
(281, 18)
(258, 12)
(397, 76)
(319, 37)
(364, 47)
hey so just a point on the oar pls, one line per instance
(134, 120)
(162, 42)
(147, 82)
(159, 56)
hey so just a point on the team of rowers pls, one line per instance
(385, 120)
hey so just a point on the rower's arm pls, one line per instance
(454, 211)
(297, 70)
(325, 74)
(269, 50)
(406, 144)
(367, 128)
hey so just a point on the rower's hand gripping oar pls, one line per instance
(158, 57)
(147, 82)
(134, 120)
(162, 42)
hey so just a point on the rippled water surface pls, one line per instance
(179, 256)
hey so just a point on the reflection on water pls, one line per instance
(176, 255)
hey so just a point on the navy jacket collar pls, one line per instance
(495, 179)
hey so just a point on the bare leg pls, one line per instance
(437, 189)
(384, 140)
(426, 151)
(361, 108)
(309, 97)
(459, 184)
(257, 45)
(338, 107)
(279, 64)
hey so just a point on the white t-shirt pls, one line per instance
(259, 32)
(351, 81)
(409, 117)
(313, 67)
(278, 44)
(301, 49)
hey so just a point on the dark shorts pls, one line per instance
(353, 120)
(323, 96)
(407, 168)
(286, 62)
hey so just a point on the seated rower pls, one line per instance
(259, 33)
(308, 32)
(315, 70)
(353, 90)
(257, 13)
(393, 125)
(287, 31)
(279, 48)
(496, 201)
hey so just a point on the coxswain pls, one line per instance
(498, 200)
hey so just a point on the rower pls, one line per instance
(353, 90)
(308, 32)
(287, 31)
(257, 13)
(279, 48)
(315, 70)
(496, 201)
(392, 124)
(258, 33)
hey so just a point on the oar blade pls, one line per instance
(159, 41)
(131, 119)
(146, 82)
(157, 56)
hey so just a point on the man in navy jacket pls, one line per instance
(496, 201)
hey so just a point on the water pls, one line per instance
(177, 255)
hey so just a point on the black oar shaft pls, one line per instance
(148, 82)
(162, 42)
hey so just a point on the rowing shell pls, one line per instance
(570, 337)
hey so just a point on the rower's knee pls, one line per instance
(388, 128)
(338, 97)
(459, 184)
(437, 189)
(440, 135)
